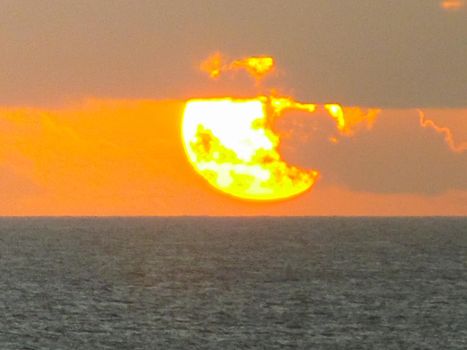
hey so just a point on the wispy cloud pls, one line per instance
(452, 5)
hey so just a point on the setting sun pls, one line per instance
(233, 174)
(228, 142)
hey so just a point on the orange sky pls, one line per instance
(92, 95)
(125, 157)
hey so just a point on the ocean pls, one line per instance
(233, 283)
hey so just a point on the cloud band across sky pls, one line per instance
(135, 63)
(120, 157)
(392, 54)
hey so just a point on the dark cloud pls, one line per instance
(362, 52)
(396, 156)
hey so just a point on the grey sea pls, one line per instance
(233, 283)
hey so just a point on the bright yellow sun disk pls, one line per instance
(232, 123)
(228, 143)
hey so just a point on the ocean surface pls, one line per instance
(233, 283)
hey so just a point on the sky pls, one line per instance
(92, 96)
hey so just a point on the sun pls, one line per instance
(228, 142)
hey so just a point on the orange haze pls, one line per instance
(125, 157)
(452, 5)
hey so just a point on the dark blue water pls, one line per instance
(225, 283)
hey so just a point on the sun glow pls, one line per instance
(257, 66)
(230, 142)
